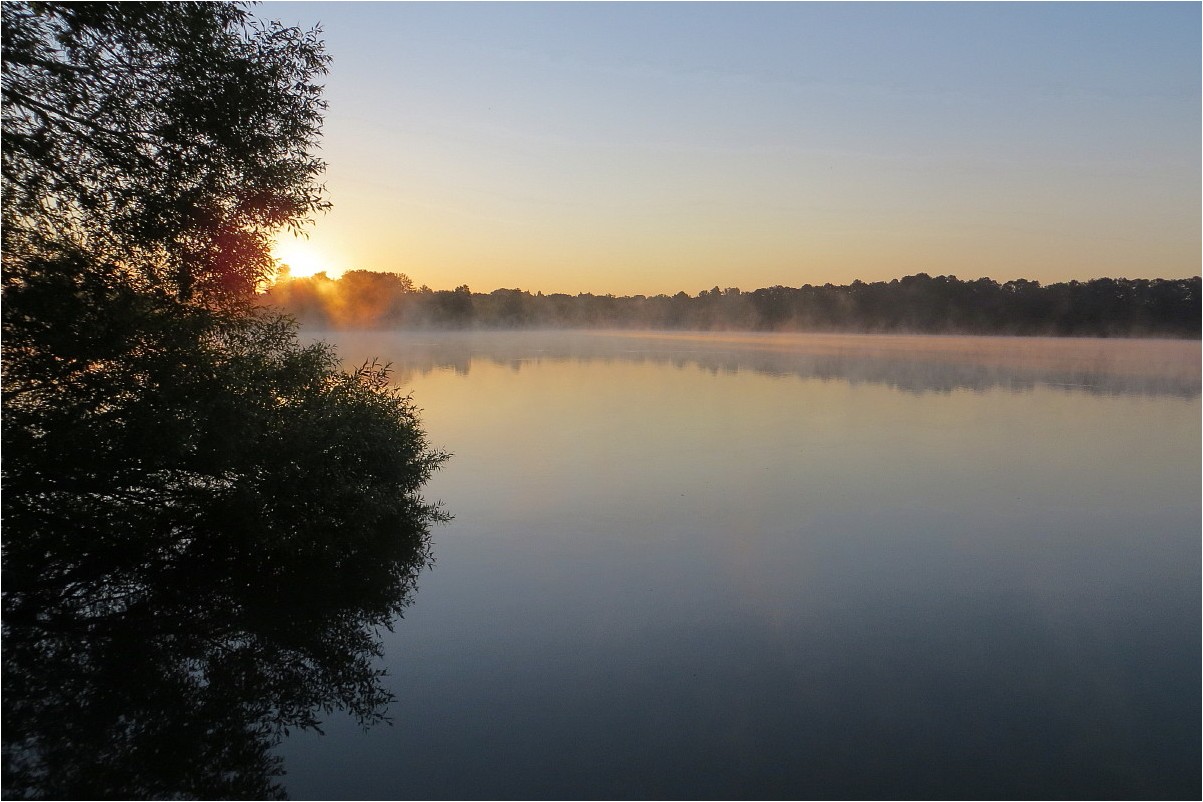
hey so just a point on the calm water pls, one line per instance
(786, 566)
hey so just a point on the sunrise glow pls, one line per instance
(302, 258)
(654, 148)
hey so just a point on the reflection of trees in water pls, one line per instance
(185, 693)
(911, 364)
(178, 680)
(144, 676)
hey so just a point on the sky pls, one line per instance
(634, 148)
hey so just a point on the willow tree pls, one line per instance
(179, 472)
(171, 139)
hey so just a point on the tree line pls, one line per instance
(1103, 307)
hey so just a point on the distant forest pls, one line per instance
(1103, 307)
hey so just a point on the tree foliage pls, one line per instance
(169, 138)
(205, 526)
(915, 304)
(206, 523)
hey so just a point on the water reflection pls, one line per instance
(148, 678)
(913, 364)
(667, 584)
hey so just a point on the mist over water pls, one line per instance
(783, 566)
(914, 363)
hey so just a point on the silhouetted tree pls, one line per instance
(189, 571)
(920, 303)
(172, 139)
(456, 308)
(171, 454)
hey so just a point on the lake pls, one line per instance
(792, 566)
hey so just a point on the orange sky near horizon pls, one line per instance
(646, 149)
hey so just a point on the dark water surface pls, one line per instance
(787, 566)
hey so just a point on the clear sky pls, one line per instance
(646, 148)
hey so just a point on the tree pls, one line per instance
(455, 307)
(190, 566)
(365, 299)
(171, 139)
(180, 475)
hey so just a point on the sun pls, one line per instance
(301, 256)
